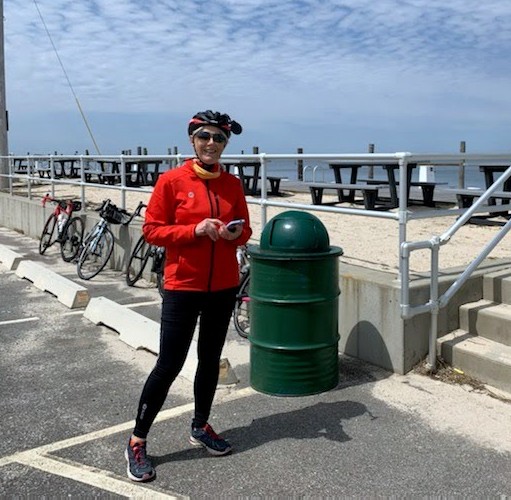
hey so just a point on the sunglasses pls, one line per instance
(206, 136)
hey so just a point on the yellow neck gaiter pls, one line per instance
(206, 174)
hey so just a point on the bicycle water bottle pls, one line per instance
(61, 222)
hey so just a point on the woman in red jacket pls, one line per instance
(188, 214)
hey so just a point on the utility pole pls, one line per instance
(4, 149)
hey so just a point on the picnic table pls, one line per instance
(466, 197)
(390, 169)
(20, 166)
(249, 173)
(137, 171)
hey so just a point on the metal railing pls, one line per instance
(315, 170)
(401, 216)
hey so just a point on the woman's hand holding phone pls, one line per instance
(232, 226)
(232, 230)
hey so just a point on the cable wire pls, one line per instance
(68, 80)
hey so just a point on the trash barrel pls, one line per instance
(294, 304)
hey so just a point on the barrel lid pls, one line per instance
(295, 232)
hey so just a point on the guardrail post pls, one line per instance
(461, 169)
(370, 149)
(299, 165)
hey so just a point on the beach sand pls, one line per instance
(366, 241)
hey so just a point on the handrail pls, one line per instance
(402, 216)
(436, 302)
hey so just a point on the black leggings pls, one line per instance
(179, 316)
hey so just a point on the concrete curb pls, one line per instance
(9, 259)
(67, 291)
(135, 329)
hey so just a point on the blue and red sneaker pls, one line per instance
(209, 439)
(140, 467)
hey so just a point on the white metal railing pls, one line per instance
(402, 216)
(315, 169)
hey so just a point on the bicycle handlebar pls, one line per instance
(139, 208)
(130, 216)
(64, 203)
(136, 213)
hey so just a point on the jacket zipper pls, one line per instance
(214, 214)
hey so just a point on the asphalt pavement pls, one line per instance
(70, 391)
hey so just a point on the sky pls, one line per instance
(328, 76)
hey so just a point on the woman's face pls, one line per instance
(207, 149)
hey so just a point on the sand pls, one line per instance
(366, 241)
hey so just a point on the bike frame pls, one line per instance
(95, 234)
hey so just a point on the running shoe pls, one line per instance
(140, 467)
(209, 439)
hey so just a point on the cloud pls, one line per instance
(321, 63)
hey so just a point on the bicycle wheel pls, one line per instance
(71, 239)
(49, 234)
(138, 261)
(241, 314)
(95, 254)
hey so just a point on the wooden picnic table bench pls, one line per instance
(248, 183)
(369, 192)
(466, 197)
(427, 188)
(20, 166)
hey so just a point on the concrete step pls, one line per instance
(487, 319)
(479, 357)
(497, 286)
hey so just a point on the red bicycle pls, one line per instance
(61, 227)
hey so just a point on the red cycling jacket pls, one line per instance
(180, 200)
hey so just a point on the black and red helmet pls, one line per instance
(222, 121)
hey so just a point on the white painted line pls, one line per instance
(38, 457)
(73, 313)
(124, 427)
(21, 320)
(148, 303)
(92, 477)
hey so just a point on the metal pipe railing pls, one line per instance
(403, 215)
(436, 302)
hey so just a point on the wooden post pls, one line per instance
(255, 150)
(299, 165)
(370, 149)
(461, 168)
(139, 150)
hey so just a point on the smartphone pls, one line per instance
(231, 226)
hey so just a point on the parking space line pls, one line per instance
(21, 320)
(92, 476)
(148, 303)
(39, 459)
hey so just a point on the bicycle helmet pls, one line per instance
(220, 120)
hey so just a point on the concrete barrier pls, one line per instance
(9, 259)
(67, 291)
(134, 329)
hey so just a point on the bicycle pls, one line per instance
(241, 313)
(63, 228)
(139, 258)
(98, 244)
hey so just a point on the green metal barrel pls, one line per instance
(294, 295)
